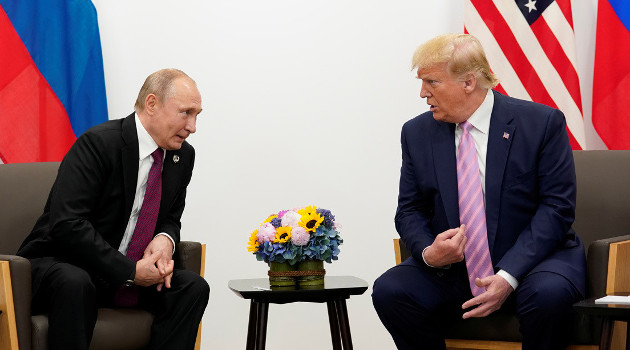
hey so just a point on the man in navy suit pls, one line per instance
(79, 246)
(529, 188)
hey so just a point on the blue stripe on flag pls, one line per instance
(63, 39)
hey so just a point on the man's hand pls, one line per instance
(447, 248)
(497, 290)
(162, 246)
(147, 273)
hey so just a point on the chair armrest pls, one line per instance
(21, 285)
(189, 256)
(597, 264)
(400, 251)
(618, 280)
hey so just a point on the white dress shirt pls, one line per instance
(146, 146)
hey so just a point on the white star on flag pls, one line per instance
(531, 5)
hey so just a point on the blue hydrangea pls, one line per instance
(329, 218)
(276, 222)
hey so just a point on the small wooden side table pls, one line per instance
(334, 292)
(609, 314)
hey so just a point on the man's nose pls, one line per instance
(424, 92)
(191, 125)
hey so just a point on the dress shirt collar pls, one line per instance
(146, 145)
(480, 119)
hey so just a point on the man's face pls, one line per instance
(176, 118)
(445, 95)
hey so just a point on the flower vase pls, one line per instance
(281, 274)
(311, 273)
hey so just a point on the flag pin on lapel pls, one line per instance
(506, 135)
(176, 157)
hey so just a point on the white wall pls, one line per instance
(303, 103)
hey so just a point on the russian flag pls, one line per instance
(52, 86)
(611, 77)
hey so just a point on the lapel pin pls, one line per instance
(506, 135)
(175, 159)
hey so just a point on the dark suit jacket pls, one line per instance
(530, 189)
(90, 202)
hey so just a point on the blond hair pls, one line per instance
(160, 84)
(463, 55)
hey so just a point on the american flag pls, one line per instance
(530, 45)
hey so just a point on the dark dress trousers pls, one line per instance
(530, 205)
(76, 240)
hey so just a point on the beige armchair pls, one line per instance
(24, 189)
(602, 220)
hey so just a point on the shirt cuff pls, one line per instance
(169, 237)
(509, 278)
(429, 265)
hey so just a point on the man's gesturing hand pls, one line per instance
(447, 248)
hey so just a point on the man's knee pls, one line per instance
(71, 282)
(547, 294)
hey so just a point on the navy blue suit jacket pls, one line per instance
(530, 189)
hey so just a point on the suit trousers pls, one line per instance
(417, 303)
(70, 296)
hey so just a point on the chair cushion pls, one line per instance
(131, 327)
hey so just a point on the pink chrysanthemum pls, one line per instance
(266, 233)
(299, 236)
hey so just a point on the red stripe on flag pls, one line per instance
(611, 83)
(513, 51)
(558, 59)
(565, 7)
(34, 125)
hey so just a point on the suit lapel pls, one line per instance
(499, 141)
(445, 163)
(130, 155)
(171, 174)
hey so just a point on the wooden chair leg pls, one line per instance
(8, 329)
(202, 271)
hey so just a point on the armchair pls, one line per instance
(24, 189)
(602, 220)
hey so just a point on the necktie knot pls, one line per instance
(466, 126)
(158, 155)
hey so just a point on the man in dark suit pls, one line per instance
(525, 180)
(87, 250)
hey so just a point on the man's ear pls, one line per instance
(470, 83)
(150, 104)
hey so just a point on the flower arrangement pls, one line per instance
(300, 234)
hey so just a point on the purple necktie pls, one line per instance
(145, 226)
(472, 211)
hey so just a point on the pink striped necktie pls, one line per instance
(472, 211)
(145, 226)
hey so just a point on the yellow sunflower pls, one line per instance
(311, 209)
(253, 244)
(311, 221)
(283, 234)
